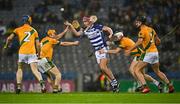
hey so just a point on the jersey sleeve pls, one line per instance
(141, 34)
(154, 32)
(99, 26)
(54, 41)
(15, 31)
(36, 35)
(121, 45)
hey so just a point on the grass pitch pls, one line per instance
(89, 97)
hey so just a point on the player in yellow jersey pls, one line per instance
(125, 43)
(46, 65)
(29, 46)
(148, 39)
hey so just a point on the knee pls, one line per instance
(157, 71)
(103, 67)
(136, 70)
(58, 76)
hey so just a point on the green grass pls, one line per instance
(90, 97)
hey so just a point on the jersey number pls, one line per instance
(28, 34)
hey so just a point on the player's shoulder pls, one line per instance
(32, 28)
(97, 26)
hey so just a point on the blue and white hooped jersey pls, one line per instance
(96, 36)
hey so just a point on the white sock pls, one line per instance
(138, 84)
(156, 82)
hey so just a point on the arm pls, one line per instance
(38, 47)
(112, 51)
(69, 43)
(73, 29)
(59, 36)
(139, 42)
(9, 39)
(157, 40)
(109, 30)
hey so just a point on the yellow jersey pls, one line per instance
(27, 36)
(47, 45)
(126, 43)
(148, 34)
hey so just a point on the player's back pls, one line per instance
(126, 43)
(47, 44)
(148, 34)
(27, 36)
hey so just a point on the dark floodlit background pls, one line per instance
(80, 72)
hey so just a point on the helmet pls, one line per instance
(141, 18)
(50, 32)
(93, 18)
(119, 34)
(27, 19)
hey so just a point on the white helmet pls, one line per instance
(119, 34)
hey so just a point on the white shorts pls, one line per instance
(45, 65)
(100, 56)
(27, 58)
(150, 57)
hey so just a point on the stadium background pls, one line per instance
(79, 71)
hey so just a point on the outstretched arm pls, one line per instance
(69, 43)
(77, 33)
(59, 36)
(139, 42)
(109, 30)
(112, 51)
(9, 39)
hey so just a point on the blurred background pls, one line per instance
(80, 72)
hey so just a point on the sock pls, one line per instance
(156, 82)
(55, 88)
(42, 84)
(138, 84)
(143, 86)
(18, 85)
(114, 83)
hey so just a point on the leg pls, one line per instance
(19, 75)
(38, 75)
(35, 71)
(151, 79)
(131, 70)
(105, 69)
(57, 75)
(162, 76)
(138, 71)
(108, 73)
(50, 78)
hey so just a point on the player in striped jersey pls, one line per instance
(95, 34)
(125, 43)
(29, 42)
